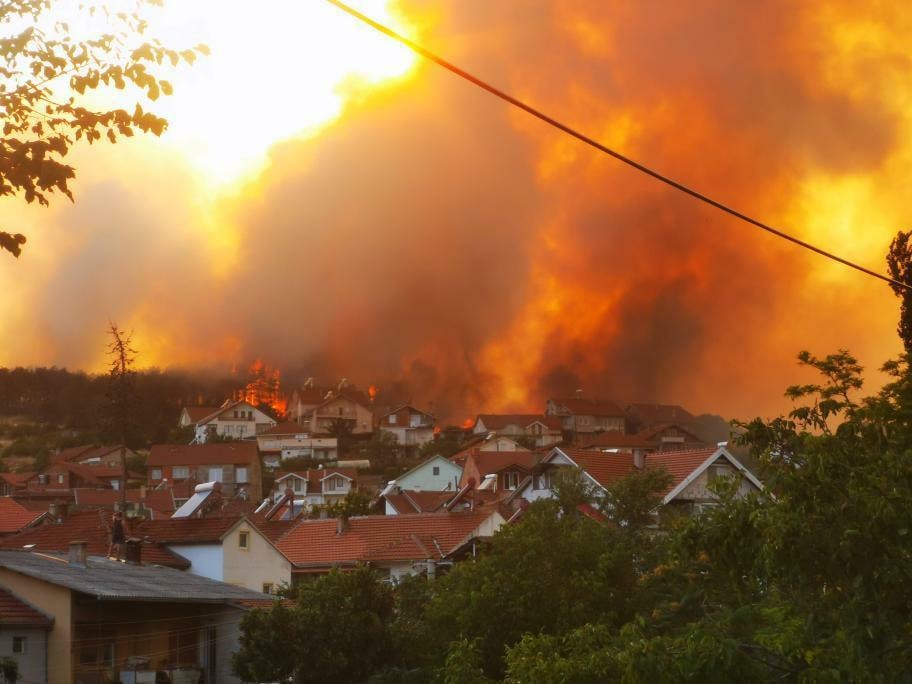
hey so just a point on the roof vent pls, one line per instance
(78, 554)
(722, 444)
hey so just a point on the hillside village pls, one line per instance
(254, 502)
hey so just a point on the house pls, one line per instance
(230, 549)
(11, 483)
(642, 416)
(671, 436)
(398, 501)
(541, 431)
(235, 420)
(408, 425)
(399, 545)
(94, 455)
(490, 443)
(346, 406)
(579, 415)
(190, 416)
(435, 474)
(141, 503)
(504, 470)
(63, 476)
(235, 464)
(14, 517)
(291, 440)
(298, 491)
(24, 636)
(304, 400)
(613, 440)
(691, 471)
(127, 622)
(93, 527)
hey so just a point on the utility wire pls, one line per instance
(462, 73)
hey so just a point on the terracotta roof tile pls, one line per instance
(15, 611)
(379, 538)
(286, 428)
(187, 530)
(92, 527)
(218, 453)
(157, 499)
(197, 413)
(680, 463)
(614, 439)
(489, 462)
(409, 501)
(604, 467)
(499, 421)
(591, 407)
(15, 517)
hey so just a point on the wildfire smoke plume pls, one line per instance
(456, 252)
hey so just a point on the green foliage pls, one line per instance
(354, 503)
(46, 73)
(899, 264)
(442, 445)
(382, 450)
(9, 668)
(337, 630)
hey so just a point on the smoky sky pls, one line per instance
(431, 224)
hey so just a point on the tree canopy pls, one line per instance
(48, 68)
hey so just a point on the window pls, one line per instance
(19, 644)
(341, 410)
(511, 480)
(240, 476)
(60, 479)
(215, 475)
(180, 472)
(436, 470)
(156, 473)
(392, 419)
(244, 540)
(296, 484)
(332, 484)
(115, 485)
(268, 588)
(242, 429)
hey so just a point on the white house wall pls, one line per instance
(206, 560)
(423, 478)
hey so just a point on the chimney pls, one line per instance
(639, 459)
(58, 511)
(78, 554)
(341, 525)
(133, 551)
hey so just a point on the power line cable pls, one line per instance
(462, 73)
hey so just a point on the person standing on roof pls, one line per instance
(117, 535)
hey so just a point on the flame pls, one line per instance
(372, 392)
(468, 423)
(264, 387)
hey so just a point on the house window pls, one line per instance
(341, 410)
(242, 429)
(332, 484)
(436, 470)
(60, 479)
(511, 480)
(115, 485)
(392, 419)
(240, 476)
(20, 644)
(244, 540)
(296, 484)
(180, 472)
(215, 475)
(156, 473)
(268, 588)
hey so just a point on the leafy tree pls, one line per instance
(341, 429)
(899, 264)
(46, 72)
(382, 450)
(354, 503)
(442, 445)
(337, 630)
(120, 411)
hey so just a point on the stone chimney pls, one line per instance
(133, 551)
(78, 554)
(639, 459)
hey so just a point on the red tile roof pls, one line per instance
(315, 477)
(654, 433)
(499, 421)
(286, 428)
(81, 453)
(653, 414)
(15, 611)
(218, 453)
(614, 439)
(604, 467)
(197, 413)
(16, 480)
(591, 407)
(403, 416)
(409, 501)
(92, 527)
(157, 499)
(489, 462)
(187, 530)
(15, 517)
(679, 463)
(379, 538)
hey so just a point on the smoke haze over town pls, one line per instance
(431, 241)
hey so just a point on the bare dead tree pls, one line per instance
(121, 397)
